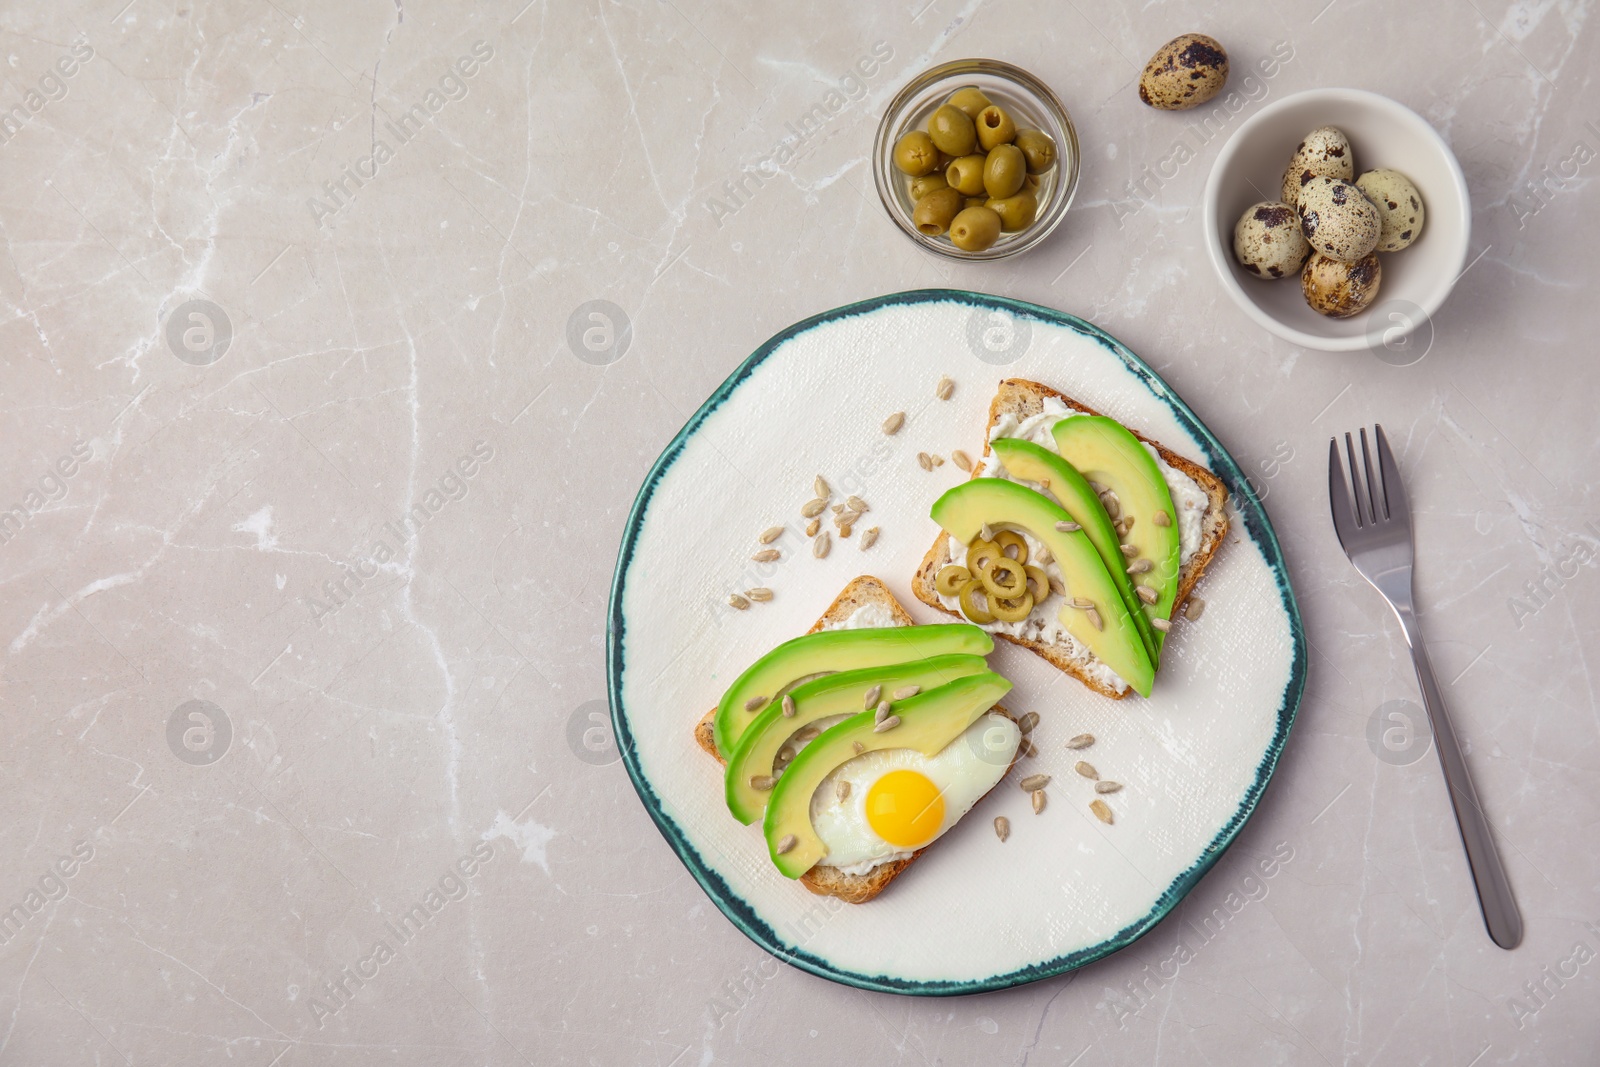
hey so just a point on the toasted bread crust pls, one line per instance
(830, 881)
(1023, 398)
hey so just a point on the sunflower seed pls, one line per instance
(737, 601)
(1028, 748)
(771, 534)
(844, 529)
(785, 843)
(1039, 800)
(813, 508)
(873, 696)
(938, 460)
(1099, 490)
(788, 706)
(766, 555)
(892, 424)
(1196, 606)
(1082, 603)
(1081, 741)
(1129, 550)
(985, 533)
(1043, 555)
(858, 746)
(1127, 524)
(1112, 505)
(812, 527)
(753, 703)
(762, 782)
(1045, 482)
(1056, 587)
(1068, 527)
(821, 488)
(1146, 594)
(1087, 770)
(786, 753)
(944, 388)
(837, 509)
(1161, 518)
(1139, 566)
(1034, 781)
(842, 790)
(820, 546)
(868, 538)
(1002, 827)
(1028, 722)
(887, 724)
(760, 594)
(882, 711)
(1161, 624)
(907, 691)
(1101, 811)
(961, 459)
(1107, 787)
(806, 733)
(845, 517)
(925, 461)
(857, 505)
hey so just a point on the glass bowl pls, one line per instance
(1031, 105)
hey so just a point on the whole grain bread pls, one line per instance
(822, 879)
(1022, 398)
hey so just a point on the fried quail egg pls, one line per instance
(1337, 219)
(1399, 207)
(1267, 241)
(897, 800)
(1325, 153)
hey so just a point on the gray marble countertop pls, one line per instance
(313, 511)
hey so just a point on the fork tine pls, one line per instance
(1394, 490)
(1374, 488)
(1344, 520)
(1363, 514)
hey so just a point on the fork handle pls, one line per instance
(1500, 912)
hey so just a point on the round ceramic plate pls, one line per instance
(972, 914)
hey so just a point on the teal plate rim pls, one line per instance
(1249, 512)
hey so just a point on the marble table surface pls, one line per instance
(315, 490)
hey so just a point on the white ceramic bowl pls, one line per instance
(1382, 133)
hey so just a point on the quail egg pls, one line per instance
(1185, 72)
(1337, 219)
(1338, 289)
(1267, 241)
(1399, 207)
(1325, 152)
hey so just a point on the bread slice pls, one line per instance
(824, 880)
(1023, 398)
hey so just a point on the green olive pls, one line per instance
(1013, 610)
(1038, 583)
(933, 212)
(971, 100)
(1038, 148)
(995, 127)
(921, 187)
(975, 229)
(1011, 539)
(1017, 210)
(966, 174)
(915, 155)
(969, 604)
(952, 131)
(980, 554)
(977, 201)
(951, 578)
(1005, 577)
(1004, 170)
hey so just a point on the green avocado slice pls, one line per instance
(1033, 463)
(821, 698)
(1106, 451)
(928, 722)
(964, 510)
(825, 652)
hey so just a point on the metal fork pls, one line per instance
(1375, 530)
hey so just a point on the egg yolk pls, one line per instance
(905, 808)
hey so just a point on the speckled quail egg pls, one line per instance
(1185, 72)
(1338, 289)
(1267, 240)
(1337, 219)
(1399, 207)
(1325, 153)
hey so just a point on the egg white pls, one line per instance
(963, 771)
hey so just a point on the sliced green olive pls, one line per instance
(915, 154)
(921, 187)
(969, 608)
(970, 99)
(1038, 583)
(979, 554)
(1005, 577)
(966, 174)
(1011, 610)
(995, 127)
(1038, 148)
(951, 578)
(1011, 539)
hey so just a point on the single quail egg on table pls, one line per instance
(1399, 207)
(1325, 153)
(1185, 72)
(1338, 289)
(1337, 219)
(1267, 241)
